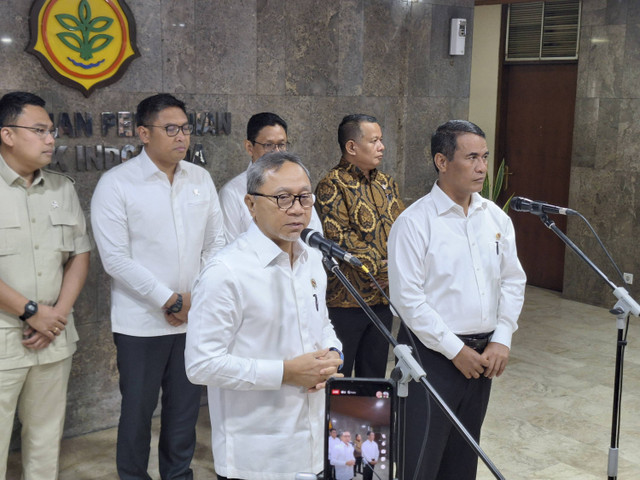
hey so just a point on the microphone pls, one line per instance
(521, 204)
(316, 240)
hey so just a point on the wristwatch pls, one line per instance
(30, 309)
(334, 349)
(176, 307)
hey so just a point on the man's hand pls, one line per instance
(497, 356)
(35, 340)
(470, 363)
(47, 321)
(350, 463)
(172, 319)
(311, 370)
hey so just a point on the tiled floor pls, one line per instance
(549, 417)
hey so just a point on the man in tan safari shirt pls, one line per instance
(44, 260)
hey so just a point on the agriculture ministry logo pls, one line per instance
(84, 44)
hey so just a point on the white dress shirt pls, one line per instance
(332, 443)
(236, 214)
(152, 236)
(454, 274)
(341, 454)
(370, 451)
(251, 310)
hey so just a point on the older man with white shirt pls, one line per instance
(259, 334)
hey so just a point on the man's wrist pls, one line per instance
(176, 306)
(30, 309)
(334, 349)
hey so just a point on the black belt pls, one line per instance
(478, 341)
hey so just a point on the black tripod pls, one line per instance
(625, 306)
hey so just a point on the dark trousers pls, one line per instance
(147, 364)
(367, 472)
(357, 468)
(363, 345)
(447, 455)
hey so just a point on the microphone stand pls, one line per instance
(626, 305)
(409, 369)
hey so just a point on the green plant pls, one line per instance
(493, 194)
(85, 44)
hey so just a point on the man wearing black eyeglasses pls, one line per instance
(266, 133)
(44, 260)
(259, 335)
(156, 219)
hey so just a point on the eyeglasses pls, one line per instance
(286, 200)
(40, 132)
(272, 147)
(172, 130)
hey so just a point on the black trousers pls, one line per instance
(363, 345)
(447, 455)
(367, 472)
(147, 364)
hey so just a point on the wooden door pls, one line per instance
(534, 138)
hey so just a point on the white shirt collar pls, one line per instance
(444, 204)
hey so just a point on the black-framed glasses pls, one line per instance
(286, 200)
(272, 147)
(172, 130)
(39, 131)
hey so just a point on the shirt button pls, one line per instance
(33, 220)
(36, 247)
(39, 274)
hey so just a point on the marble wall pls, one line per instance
(312, 62)
(605, 168)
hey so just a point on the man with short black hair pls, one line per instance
(266, 133)
(156, 220)
(44, 261)
(457, 282)
(358, 204)
(259, 335)
(370, 455)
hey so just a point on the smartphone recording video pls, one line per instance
(359, 429)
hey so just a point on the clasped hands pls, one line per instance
(490, 363)
(47, 323)
(312, 370)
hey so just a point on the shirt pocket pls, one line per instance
(63, 225)
(496, 249)
(10, 343)
(9, 232)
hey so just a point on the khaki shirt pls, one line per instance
(41, 227)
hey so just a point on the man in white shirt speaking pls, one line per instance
(156, 219)
(456, 280)
(342, 457)
(266, 133)
(259, 335)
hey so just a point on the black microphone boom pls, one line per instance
(316, 240)
(521, 204)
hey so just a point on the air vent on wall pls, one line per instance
(540, 31)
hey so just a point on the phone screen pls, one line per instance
(360, 412)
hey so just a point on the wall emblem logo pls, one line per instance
(84, 44)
